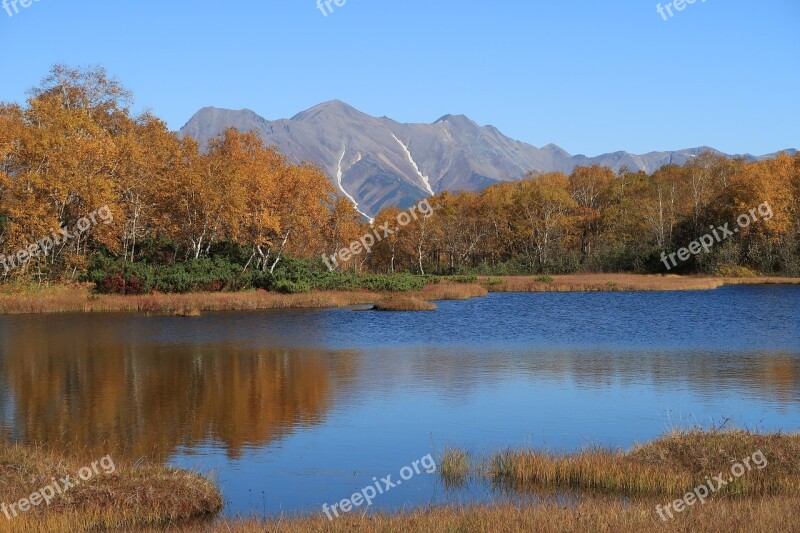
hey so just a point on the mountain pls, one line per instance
(378, 162)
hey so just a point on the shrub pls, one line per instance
(291, 287)
(463, 279)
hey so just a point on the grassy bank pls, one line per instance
(617, 491)
(157, 499)
(670, 466)
(119, 498)
(600, 515)
(622, 282)
(82, 298)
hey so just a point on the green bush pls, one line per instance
(463, 279)
(291, 276)
(290, 287)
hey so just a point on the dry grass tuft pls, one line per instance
(454, 291)
(403, 303)
(130, 497)
(670, 466)
(454, 467)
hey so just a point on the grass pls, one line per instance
(132, 496)
(155, 498)
(454, 467)
(627, 282)
(403, 303)
(16, 299)
(669, 466)
(80, 298)
(590, 514)
(450, 291)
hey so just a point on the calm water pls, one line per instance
(290, 410)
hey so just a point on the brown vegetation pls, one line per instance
(627, 282)
(591, 514)
(77, 298)
(403, 303)
(669, 466)
(454, 291)
(132, 496)
(766, 500)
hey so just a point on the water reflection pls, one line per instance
(150, 400)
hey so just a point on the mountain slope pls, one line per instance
(378, 162)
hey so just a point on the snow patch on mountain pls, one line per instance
(425, 180)
(339, 174)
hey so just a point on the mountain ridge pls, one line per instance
(379, 162)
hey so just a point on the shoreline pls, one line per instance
(621, 490)
(79, 298)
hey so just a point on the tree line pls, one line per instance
(76, 146)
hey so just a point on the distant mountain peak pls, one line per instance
(455, 119)
(329, 108)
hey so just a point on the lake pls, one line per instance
(288, 410)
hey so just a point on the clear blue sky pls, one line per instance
(590, 76)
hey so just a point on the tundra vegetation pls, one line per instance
(238, 215)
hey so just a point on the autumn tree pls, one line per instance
(545, 213)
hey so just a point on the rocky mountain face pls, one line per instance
(378, 162)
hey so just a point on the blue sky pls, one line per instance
(590, 76)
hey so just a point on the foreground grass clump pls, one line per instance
(672, 465)
(454, 466)
(590, 514)
(122, 497)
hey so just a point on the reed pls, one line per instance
(454, 467)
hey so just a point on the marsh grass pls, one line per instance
(453, 291)
(628, 282)
(670, 466)
(589, 515)
(454, 467)
(403, 303)
(156, 499)
(132, 496)
(80, 298)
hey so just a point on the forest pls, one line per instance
(237, 214)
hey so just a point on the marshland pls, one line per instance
(528, 400)
(288, 267)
